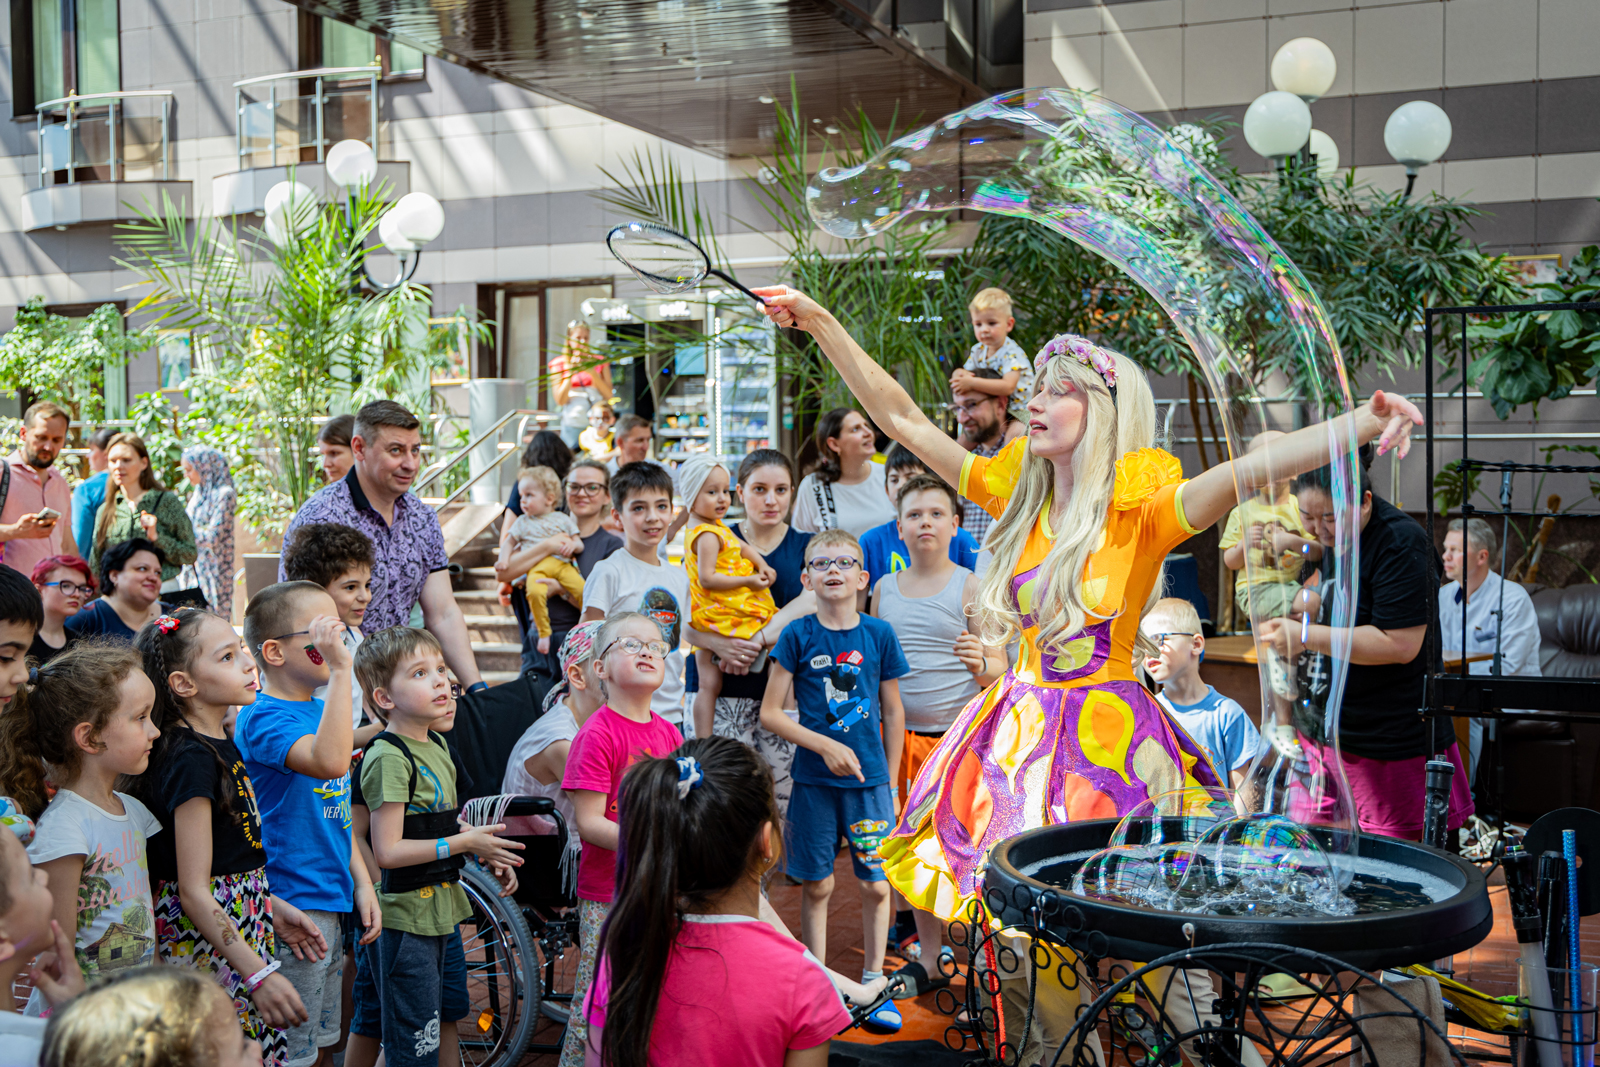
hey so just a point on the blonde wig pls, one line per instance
(1112, 429)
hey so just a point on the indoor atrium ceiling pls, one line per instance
(691, 71)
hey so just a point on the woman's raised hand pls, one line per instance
(1395, 415)
(791, 307)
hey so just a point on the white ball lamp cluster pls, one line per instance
(1278, 124)
(411, 222)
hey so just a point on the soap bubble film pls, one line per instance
(1109, 180)
(664, 260)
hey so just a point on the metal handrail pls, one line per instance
(505, 451)
(72, 102)
(318, 99)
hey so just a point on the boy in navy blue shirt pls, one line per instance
(843, 666)
(883, 550)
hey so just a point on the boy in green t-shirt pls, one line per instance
(1268, 527)
(409, 784)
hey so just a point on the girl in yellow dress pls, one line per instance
(729, 583)
(1085, 511)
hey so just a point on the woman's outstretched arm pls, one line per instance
(890, 406)
(1387, 418)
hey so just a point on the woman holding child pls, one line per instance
(1086, 512)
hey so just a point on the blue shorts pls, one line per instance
(366, 1013)
(819, 815)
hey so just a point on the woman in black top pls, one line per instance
(130, 576)
(64, 584)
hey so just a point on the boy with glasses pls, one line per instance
(1217, 723)
(843, 666)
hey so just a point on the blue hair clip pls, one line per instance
(689, 775)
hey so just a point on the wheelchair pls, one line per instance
(517, 949)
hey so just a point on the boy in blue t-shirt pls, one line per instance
(296, 750)
(843, 666)
(1217, 723)
(883, 550)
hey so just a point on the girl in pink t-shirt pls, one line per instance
(690, 974)
(629, 662)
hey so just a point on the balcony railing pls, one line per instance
(93, 138)
(277, 125)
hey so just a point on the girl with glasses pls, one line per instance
(65, 585)
(629, 666)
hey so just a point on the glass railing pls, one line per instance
(122, 136)
(282, 119)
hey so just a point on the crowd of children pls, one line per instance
(276, 818)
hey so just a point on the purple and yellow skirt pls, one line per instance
(1021, 756)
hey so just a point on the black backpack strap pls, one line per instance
(398, 742)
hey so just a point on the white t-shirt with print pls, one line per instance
(116, 913)
(856, 508)
(352, 641)
(1007, 358)
(621, 582)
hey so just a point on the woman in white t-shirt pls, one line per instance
(846, 492)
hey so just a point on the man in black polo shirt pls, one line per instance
(1384, 740)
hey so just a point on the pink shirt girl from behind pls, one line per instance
(700, 827)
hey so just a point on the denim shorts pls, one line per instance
(367, 1013)
(819, 815)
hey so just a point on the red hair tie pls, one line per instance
(167, 623)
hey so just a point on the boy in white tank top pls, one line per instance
(929, 605)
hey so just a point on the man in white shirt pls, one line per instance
(1499, 614)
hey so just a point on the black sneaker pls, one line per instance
(918, 981)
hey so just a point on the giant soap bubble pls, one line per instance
(1111, 181)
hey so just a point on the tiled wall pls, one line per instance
(1520, 80)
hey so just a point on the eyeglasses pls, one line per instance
(585, 488)
(845, 563)
(456, 689)
(71, 588)
(969, 407)
(635, 647)
(1161, 639)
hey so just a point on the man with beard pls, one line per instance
(983, 427)
(33, 518)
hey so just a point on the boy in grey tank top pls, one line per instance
(928, 605)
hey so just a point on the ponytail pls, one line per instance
(36, 742)
(689, 831)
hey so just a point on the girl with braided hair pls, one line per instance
(214, 910)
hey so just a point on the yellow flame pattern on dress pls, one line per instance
(1106, 717)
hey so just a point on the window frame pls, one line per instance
(23, 99)
(310, 33)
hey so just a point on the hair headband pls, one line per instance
(578, 646)
(690, 776)
(1083, 351)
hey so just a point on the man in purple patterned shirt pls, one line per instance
(408, 545)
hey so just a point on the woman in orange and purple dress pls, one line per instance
(1086, 512)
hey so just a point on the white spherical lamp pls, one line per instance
(276, 231)
(389, 233)
(1326, 153)
(292, 205)
(351, 164)
(1277, 124)
(418, 218)
(1305, 67)
(1417, 134)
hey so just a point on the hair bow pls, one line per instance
(167, 623)
(689, 775)
(13, 819)
(1085, 352)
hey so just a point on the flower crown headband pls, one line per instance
(1085, 352)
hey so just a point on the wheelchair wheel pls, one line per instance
(503, 979)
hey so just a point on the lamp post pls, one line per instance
(413, 220)
(1416, 134)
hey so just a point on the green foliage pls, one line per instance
(1452, 487)
(46, 356)
(1524, 358)
(280, 335)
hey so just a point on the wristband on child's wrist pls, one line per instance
(253, 983)
(442, 848)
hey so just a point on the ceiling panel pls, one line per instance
(688, 70)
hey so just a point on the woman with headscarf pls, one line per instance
(210, 509)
